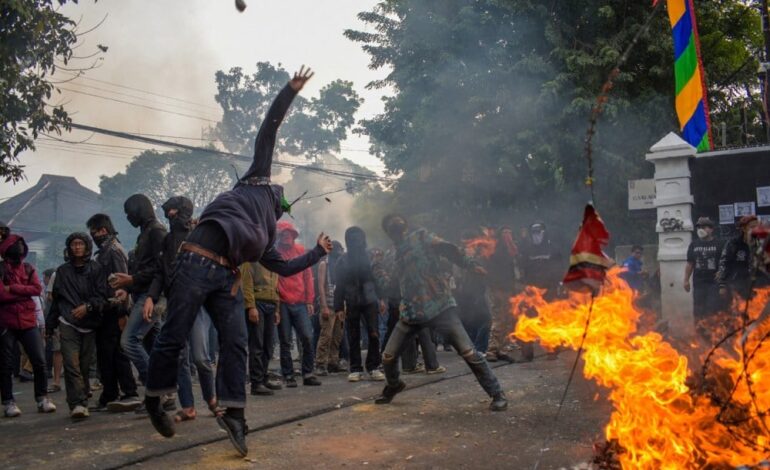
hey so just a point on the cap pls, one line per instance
(704, 222)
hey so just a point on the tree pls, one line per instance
(200, 176)
(313, 125)
(492, 99)
(35, 41)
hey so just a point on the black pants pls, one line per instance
(706, 300)
(261, 342)
(115, 370)
(367, 313)
(32, 342)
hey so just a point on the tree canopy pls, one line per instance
(492, 99)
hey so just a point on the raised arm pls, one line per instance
(265, 142)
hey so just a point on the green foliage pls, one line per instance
(34, 40)
(200, 176)
(313, 125)
(492, 98)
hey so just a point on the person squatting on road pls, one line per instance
(427, 299)
(237, 227)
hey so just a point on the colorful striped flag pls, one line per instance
(691, 100)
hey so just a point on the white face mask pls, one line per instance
(702, 233)
(537, 238)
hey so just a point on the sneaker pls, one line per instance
(79, 412)
(506, 358)
(437, 370)
(321, 371)
(419, 369)
(273, 384)
(46, 406)
(236, 430)
(335, 368)
(491, 357)
(160, 420)
(377, 375)
(499, 402)
(125, 404)
(389, 392)
(355, 376)
(291, 382)
(261, 390)
(25, 376)
(11, 410)
(311, 381)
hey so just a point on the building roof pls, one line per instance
(54, 201)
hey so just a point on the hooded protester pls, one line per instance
(19, 324)
(735, 261)
(332, 325)
(79, 301)
(237, 227)
(356, 299)
(179, 212)
(141, 272)
(426, 299)
(541, 261)
(115, 371)
(297, 293)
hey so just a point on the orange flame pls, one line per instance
(657, 419)
(483, 246)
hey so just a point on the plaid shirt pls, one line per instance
(424, 284)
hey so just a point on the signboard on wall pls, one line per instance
(641, 194)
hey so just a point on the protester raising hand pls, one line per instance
(300, 78)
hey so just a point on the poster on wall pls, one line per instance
(763, 196)
(726, 214)
(745, 208)
(764, 219)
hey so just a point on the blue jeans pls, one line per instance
(199, 282)
(296, 316)
(198, 345)
(448, 325)
(133, 336)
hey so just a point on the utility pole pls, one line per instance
(764, 69)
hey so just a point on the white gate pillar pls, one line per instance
(673, 202)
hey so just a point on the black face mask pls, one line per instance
(15, 252)
(396, 230)
(100, 239)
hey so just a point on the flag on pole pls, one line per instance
(587, 262)
(691, 99)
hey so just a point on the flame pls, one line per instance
(657, 419)
(483, 246)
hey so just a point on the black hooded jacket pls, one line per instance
(112, 259)
(75, 286)
(149, 243)
(181, 225)
(355, 283)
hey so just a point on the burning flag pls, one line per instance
(587, 262)
(483, 246)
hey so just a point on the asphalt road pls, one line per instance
(440, 421)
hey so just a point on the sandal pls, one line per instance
(54, 388)
(182, 415)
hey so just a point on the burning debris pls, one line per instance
(661, 417)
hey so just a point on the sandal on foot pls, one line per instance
(182, 415)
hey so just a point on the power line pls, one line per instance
(138, 105)
(153, 141)
(118, 85)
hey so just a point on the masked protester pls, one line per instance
(179, 212)
(702, 263)
(427, 300)
(237, 227)
(734, 272)
(541, 261)
(79, 301)
(114, 366)
(297, 294)
(332, 325)
(356, 300)
(19, 325)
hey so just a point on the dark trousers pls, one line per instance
(199, 282)
(260, 342)
(296, 316)
(32, 342)
(448, 324)
(79, 353)
(115, 370)
(409, 355)
(706, 299)
(367, 314)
